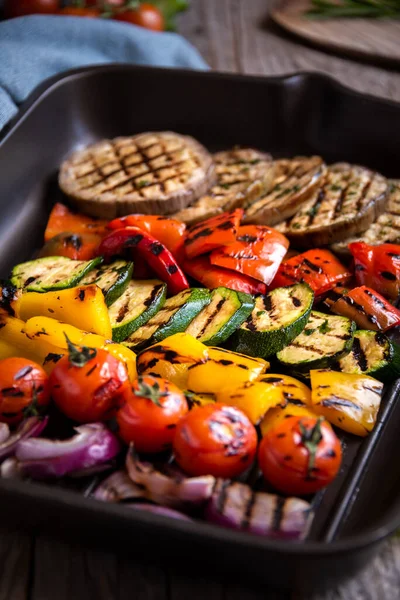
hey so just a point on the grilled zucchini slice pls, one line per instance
(51, 273)
(219, 319)
(174, 317)
(324, 340)
(112, 279)
(373, 353)
(277, 318)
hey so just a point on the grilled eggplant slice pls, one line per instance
(373, 353)
(324, 340)
(112, 279)
(243, 175)
(174, 317)
(294, 181)
(277, 318)
(349, 201)
(219, 319)
(136, 306)
(385, 230)
(151, 173)
(51, 273)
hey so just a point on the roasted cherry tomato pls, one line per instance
(145, 15)
(88, 384)
(300, 455)
(19, 8)
(78, 246)
(215, 439)
(151, 413)
(24, 389)
(80, 11)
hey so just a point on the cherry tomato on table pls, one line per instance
(300, 455)
(24, 389)
(215, 440)
(78, 246)
(145, 15)
(19, 8)
(80, 11)
(88, 384)
(151, 413)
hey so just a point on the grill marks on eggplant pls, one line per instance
(243, 175)
(349, 200)
(295, 179)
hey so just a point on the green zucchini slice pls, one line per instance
(51, 273)
(112, 279)
(277, 318)
(373, 354)
(219, 319)
(174, 317)
(324, 340)
(138, 304)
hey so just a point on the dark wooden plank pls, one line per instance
(138, 581)
(183, 586)
(16, 562)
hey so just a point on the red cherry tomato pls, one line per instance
(24, 389)
(151, 413)
(88, 384)
(78, 11)
(19, 8)
(78, 246)
(146, 15)
(215, 440)
(300, 455)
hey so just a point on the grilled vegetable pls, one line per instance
(349, 401)
(294, 180)
(152, 173)
(172, 358)
(224, 368)
(368, 309)
(378, 267)
(78, 246)
(83, 306)
(257, 252)
(372, 354)
(219, 319)
(62, 219)
(112, 279)
(212, 277)
(324, 340)
(319, 268)
(254, 398)
(137, 305)
(150, 250)
(212, 233)
(174, 317)
(278, 415)
(333, 295)
(243, 175)
(348, 202)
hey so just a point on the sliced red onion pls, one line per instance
(237, 506)
(168, 490)
(4, 432)
(117, 487)
(30, 427)
(43, 458)
(159, 510)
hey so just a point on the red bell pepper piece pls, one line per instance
(319, 268)
(155, 254)
(257, 252)
(169, 232)
(378, 267)
(213, 233)
(368, 309)
(213, 277)
(62, 219)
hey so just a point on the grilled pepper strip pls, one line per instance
(156, 255)
(257, 252)
(62, 219)
(169, 232)
(254, 398)
(378, 267)
(212, 233)
(213, 277)
(368, 309)
(319, 268)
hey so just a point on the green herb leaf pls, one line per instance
(79, 357)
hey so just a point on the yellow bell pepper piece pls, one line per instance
(125, 355)
(277, 415)
(172, 358)
(254, 398)
(83, 306)
(201, 399)
(224, 367)
(349, 401)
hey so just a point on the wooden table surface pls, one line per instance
(236, 36)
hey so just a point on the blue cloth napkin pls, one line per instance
(36, 47)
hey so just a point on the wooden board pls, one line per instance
(374, 39)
